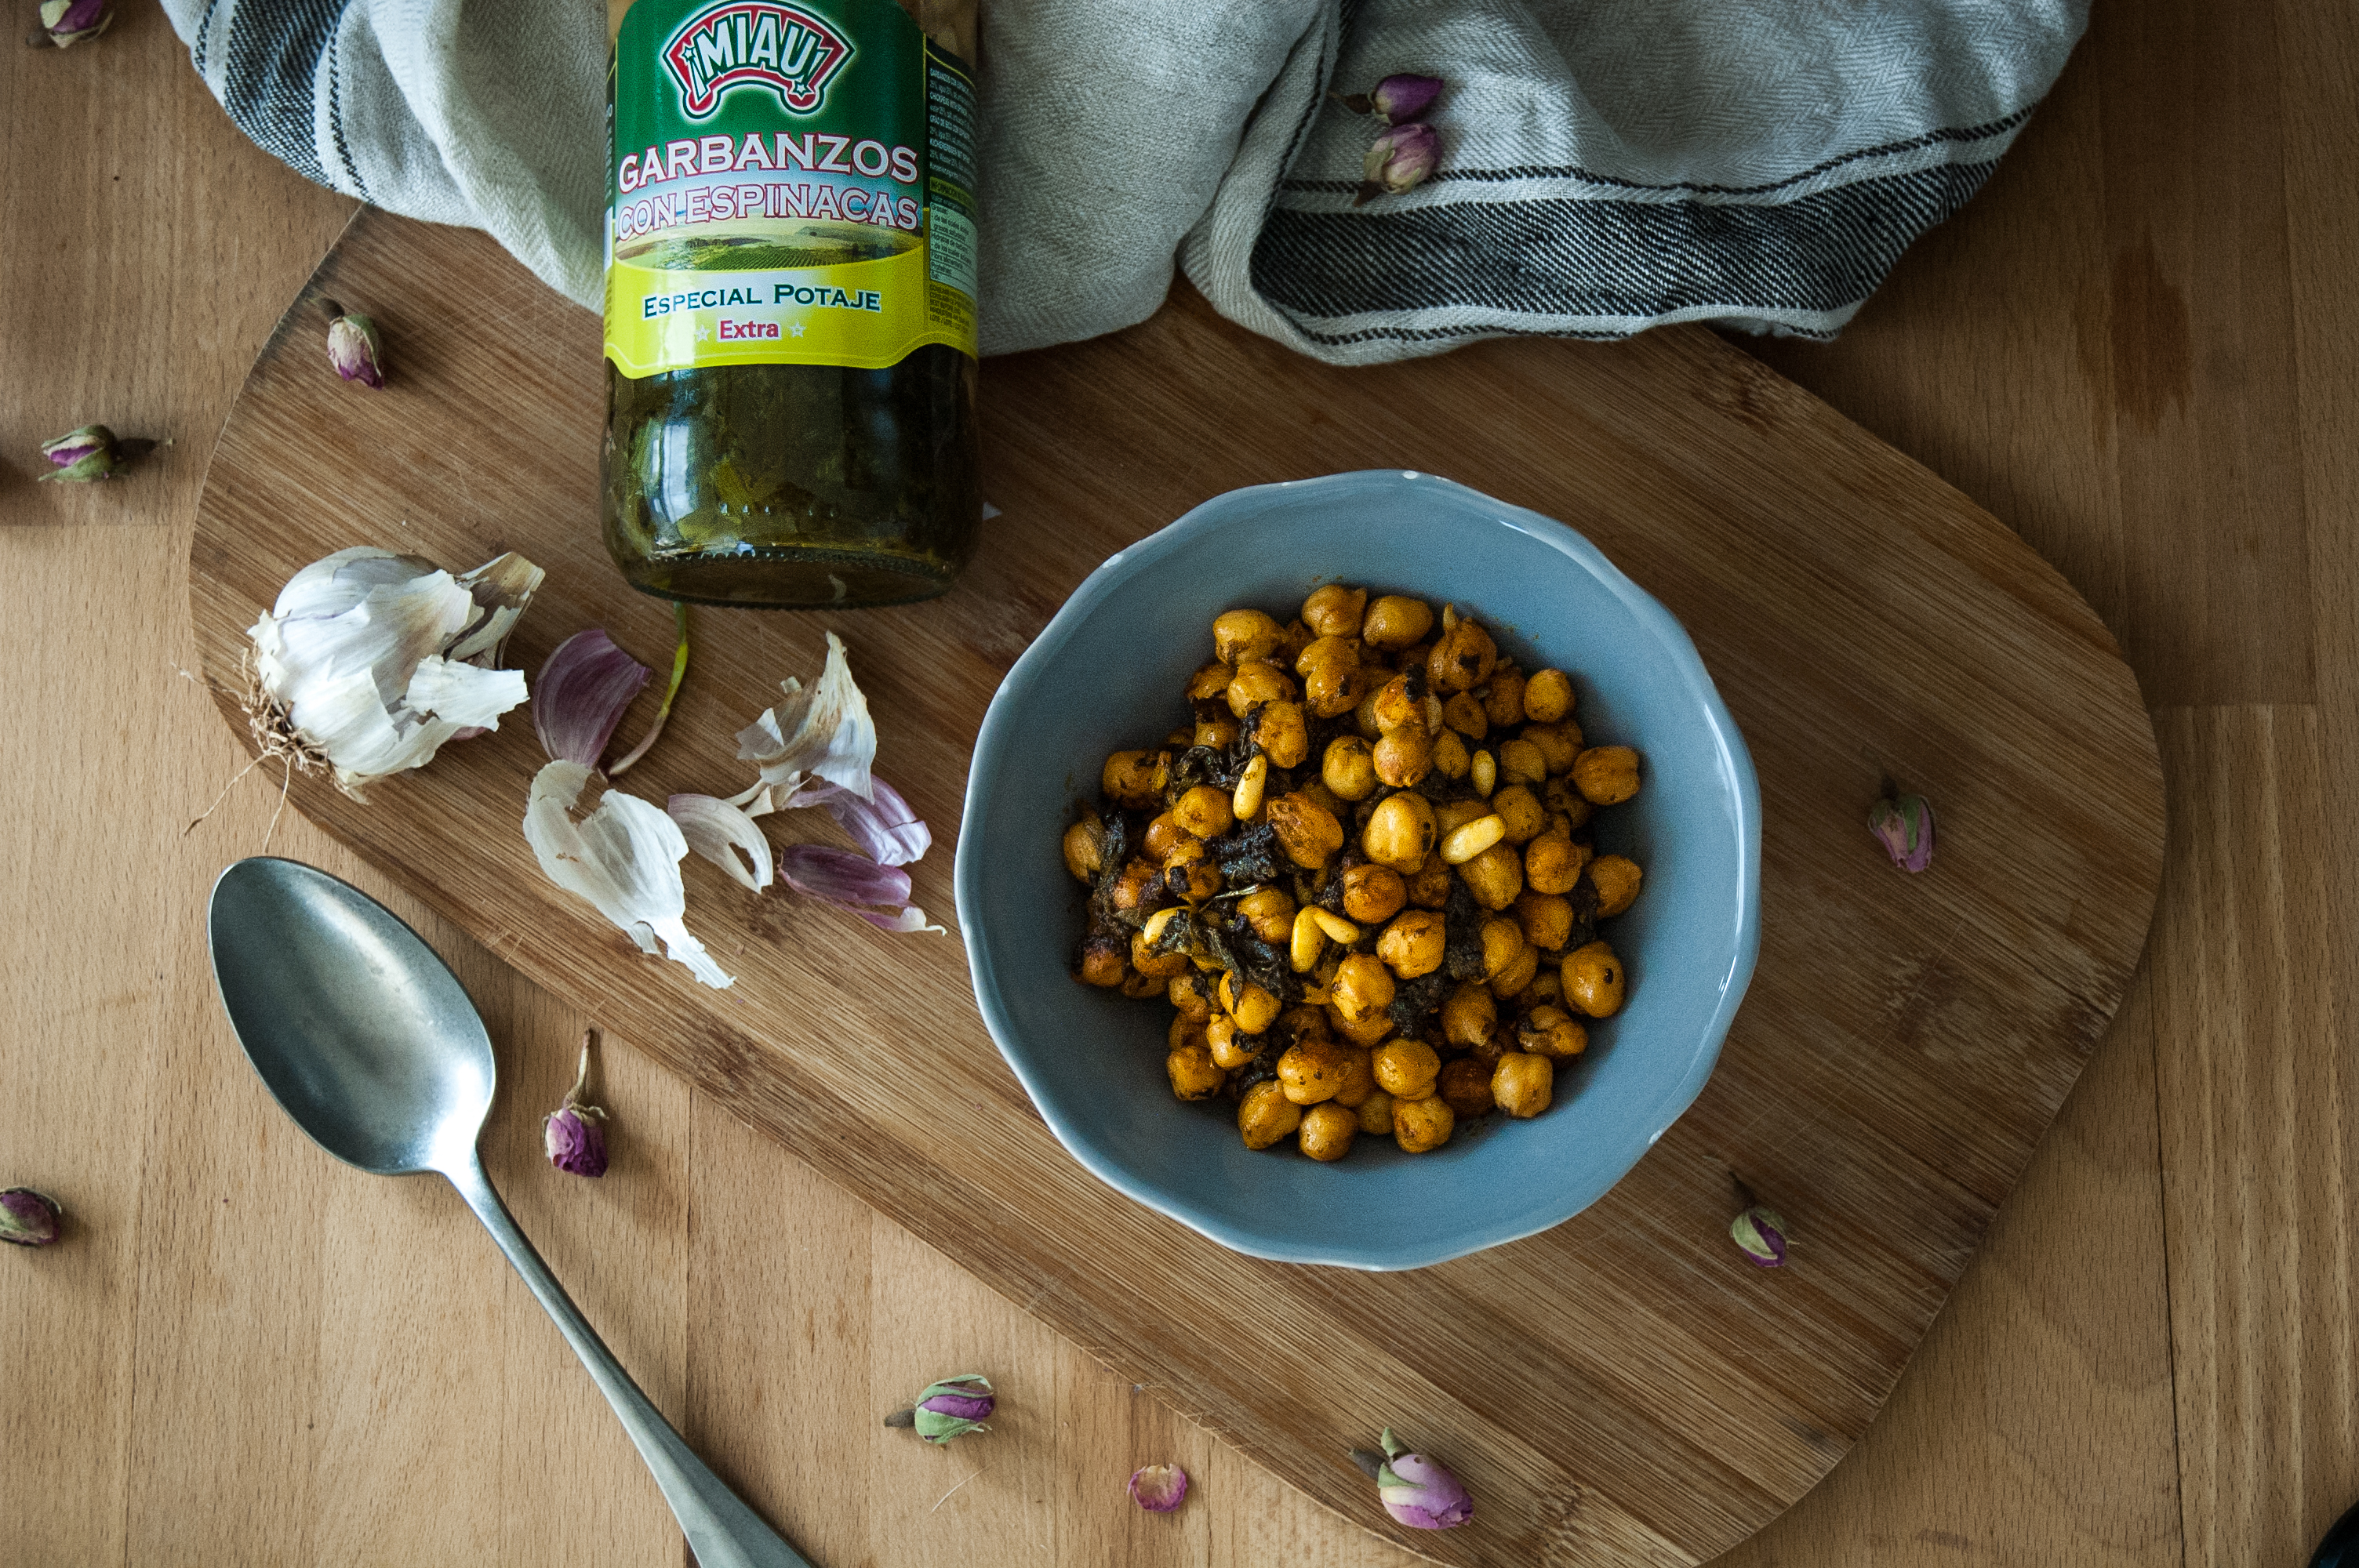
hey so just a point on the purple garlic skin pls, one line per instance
(1905, 828)
(354, 351)
(576, 1143)
(1399, 99)
(1761, 1232)
(1398, 159)
(28, 1218)
(1159, 1489)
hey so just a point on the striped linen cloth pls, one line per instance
(1606, 164)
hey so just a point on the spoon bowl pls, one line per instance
(368, 1041)
(359, 1030)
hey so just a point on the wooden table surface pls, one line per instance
(2139, 347)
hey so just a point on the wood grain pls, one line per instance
(1906, 1043)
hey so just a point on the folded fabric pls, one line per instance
(1605, 164)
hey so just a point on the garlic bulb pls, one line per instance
(376, 659)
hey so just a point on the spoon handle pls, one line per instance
(723, 1531)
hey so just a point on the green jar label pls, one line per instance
(788, 184)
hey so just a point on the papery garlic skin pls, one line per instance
(623, 858)
(822, 731)
(722, 834)
(377, 658)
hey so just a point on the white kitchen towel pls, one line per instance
(1606, 164)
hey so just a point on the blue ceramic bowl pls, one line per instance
(1107, 675)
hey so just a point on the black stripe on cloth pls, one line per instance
(274, 58)
(1821, 253)
(198, 50)
(1575, 170)
(336, 120)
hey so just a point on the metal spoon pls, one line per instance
(368, 1041)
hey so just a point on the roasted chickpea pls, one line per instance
(1561, 798)
(1403, 756)
(1560, 744)
(1593, 979)
(1463, 713)
(1373, 894)
(1140, 886)
(1462, 659)
(1519, 811)
(1138, 986)
(1363, 718)
(1333, 679)
(1326, 1133)
(1258, 682)
(1164, 835)
(1520, 762)
(1502, 939)
(1254, 1008)
(1307, 830)
(1334, 611)
(1349, 767)
(1130, 779)
(1215, 727)
(1430, 889)
(1359, 1077)
(1412, 944)
(1395, 622)
(1552, 863)
(1239, 636)
(1210, 684)
(1449, 757)
(1495, 876)
(1194, 1073)
(1231, 1046)
(1364, 1032)
(1265, 1115)
(1452, 815)
(1157, 966)
(1400, 833)
(1548, 696)
(1317, 793)
(1546, 917)
(1521, 1084)
(1280, 732)
(1102, 961)
(1400, 702)
(1547, 988)
(1376, 1114)
(1488, 1049)
(1179, 1032)
(1550, 1030)
(1203, 811)
(1084, 848)
(1422, 1124)
(1292, 641)
(1464, 1086)
(1191, 873)
(1271, 912)
(1406, 1068)
(1468, 1016)
(1606, 775)
(1618, 879)
(1313, 1070)
(1516, 978)
(1189, 998)
(1363, 988)
(1502, 696)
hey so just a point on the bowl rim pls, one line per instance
(993, 735)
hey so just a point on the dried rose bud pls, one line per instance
(947, 1409)
(1397, 159)
(1761, 1231)
(1401, 98)
(576, 1143)
(1905, 828)
(1159, 1489)
(1416, 1490)
(81, 455)
(67, 22)
(353, 347)
(28, 1218)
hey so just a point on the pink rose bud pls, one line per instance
(576, 1143)
(1416, 1490)
(1761, 1231)
(353, 347)
(1399, 99)
(1159, 1489)
(28, 1218)
(81, 455)
(1397, 159)
(1905, 828)
(949, 1409)
(67, 22)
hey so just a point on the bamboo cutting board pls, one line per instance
(1621, 1389)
